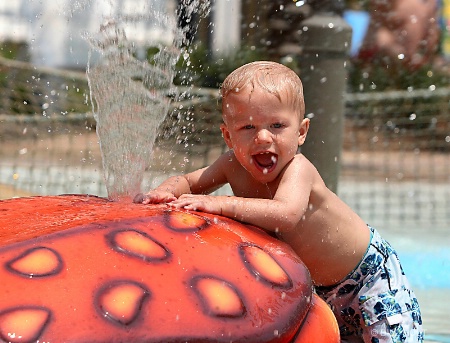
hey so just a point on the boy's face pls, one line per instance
(263, 131)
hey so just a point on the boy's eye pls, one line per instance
(248, 127)
(277, 125)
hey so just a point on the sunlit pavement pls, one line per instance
(423, 247)
(426, 261)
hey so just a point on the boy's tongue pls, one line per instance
(265, 160)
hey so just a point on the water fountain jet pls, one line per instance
(130, 101)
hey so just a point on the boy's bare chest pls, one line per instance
(247, 188)
(244, 185)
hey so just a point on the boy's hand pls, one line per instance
(197, 202)
(154, 197)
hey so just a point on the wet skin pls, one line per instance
(274, 187)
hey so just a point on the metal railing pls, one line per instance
(396, 157)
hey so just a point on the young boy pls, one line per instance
(354, 270)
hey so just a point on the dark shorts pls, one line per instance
(375, 303)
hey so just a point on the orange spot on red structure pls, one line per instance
(219, 298)
(137, 244)
(183, 221)
(122, 301)
(39, 261)
(262, 265)
(23, 324)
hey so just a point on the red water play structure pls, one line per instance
(78, 268)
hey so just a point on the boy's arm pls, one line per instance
(201, 181)
(166, 192)
(283, 212)
(269, 214)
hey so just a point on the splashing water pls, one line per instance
(130, 96)
(131, 102)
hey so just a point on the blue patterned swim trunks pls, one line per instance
(375, 303)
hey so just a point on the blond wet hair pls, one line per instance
(269, 76)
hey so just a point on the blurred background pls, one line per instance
(375, 75)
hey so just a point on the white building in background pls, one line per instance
(13, 26)
(54, 29)
(226, 27)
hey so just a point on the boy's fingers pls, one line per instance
(180, 203)
(152, 199)
(177, 203)
(139, 198)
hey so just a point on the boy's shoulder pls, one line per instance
(304, 166)
(301, 159)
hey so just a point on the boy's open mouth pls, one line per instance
(266, 161)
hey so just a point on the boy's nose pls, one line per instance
(263, 136)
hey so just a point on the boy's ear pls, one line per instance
(226, 135)
(303, 131)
